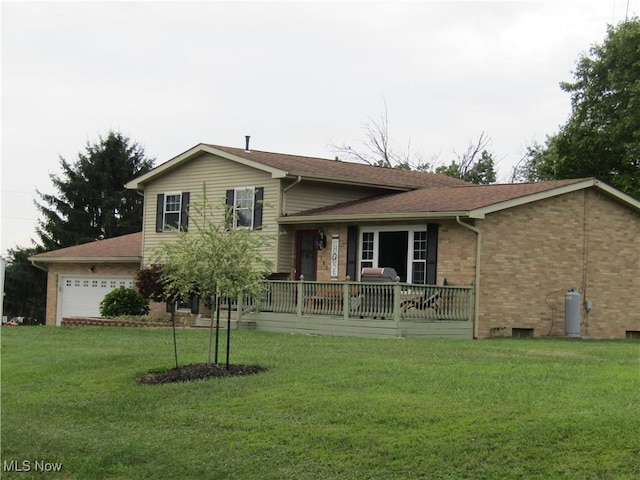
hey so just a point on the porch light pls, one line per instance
(321, 239)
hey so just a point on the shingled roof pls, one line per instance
(322, 168)
(122, 249)
(282, 165)
(470, 200)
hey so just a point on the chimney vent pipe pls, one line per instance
(246, 140)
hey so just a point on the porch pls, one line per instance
(360, 309)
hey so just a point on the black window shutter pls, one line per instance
(159, 212)
(228, 214)
(257, 208)
(184, 218)
(352, 251)
(432, 253)
(195, 304)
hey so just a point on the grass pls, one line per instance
(327, 408)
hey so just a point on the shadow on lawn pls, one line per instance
(197, 371)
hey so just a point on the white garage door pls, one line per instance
(81, 296)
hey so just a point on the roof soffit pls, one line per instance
(135, 260)
(472, 202)
(370, 217)
(534, 197)
(195, 152)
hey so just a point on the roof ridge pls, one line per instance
(346, 162)
(414, 174)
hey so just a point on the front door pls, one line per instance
(307, 254)
(392, 252)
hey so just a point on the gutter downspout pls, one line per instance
(284, 192)
(476, 296)
(38, 266)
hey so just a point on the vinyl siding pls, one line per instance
(219, 175)
(307, 195)
(285, 250)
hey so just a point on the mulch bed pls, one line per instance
(197, 371)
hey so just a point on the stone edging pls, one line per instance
(87, 321)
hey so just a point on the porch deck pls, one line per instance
(361, 309)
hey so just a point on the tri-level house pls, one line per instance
(366, 250)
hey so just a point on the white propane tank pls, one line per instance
(572, 314)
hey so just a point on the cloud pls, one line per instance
(294, 75)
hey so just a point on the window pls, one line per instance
(171, 211)
(246, 205)
(411, 250)
(419, 262)
(367, 250)
(243, 207)
(189, 305)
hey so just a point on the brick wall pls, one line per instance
(100, 270)
(456, 254)
(532, 254)
(324, 255)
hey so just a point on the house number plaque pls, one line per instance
(335, 247)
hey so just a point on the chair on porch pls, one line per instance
(425, 301)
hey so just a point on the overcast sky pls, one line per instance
(296, 76)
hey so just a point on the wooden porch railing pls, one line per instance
(384, 301)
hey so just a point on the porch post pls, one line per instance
(300, 296)
(396, 304)
(346, 299)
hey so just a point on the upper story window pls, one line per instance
(171, 211)
(243, 207)
(246, 203)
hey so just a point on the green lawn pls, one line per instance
(327, 408)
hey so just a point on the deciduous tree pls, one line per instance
(25, 287)
(378, 150)
(474, 165)
(213, 259)
(601, 138)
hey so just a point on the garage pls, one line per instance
(80, 296)
(79, 277)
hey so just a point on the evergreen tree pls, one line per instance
(92, 202)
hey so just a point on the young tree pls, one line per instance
(92, 202)
(213, 259)
(475, 165)
(601, 138)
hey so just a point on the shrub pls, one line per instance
(123, 301)
(149, 284)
